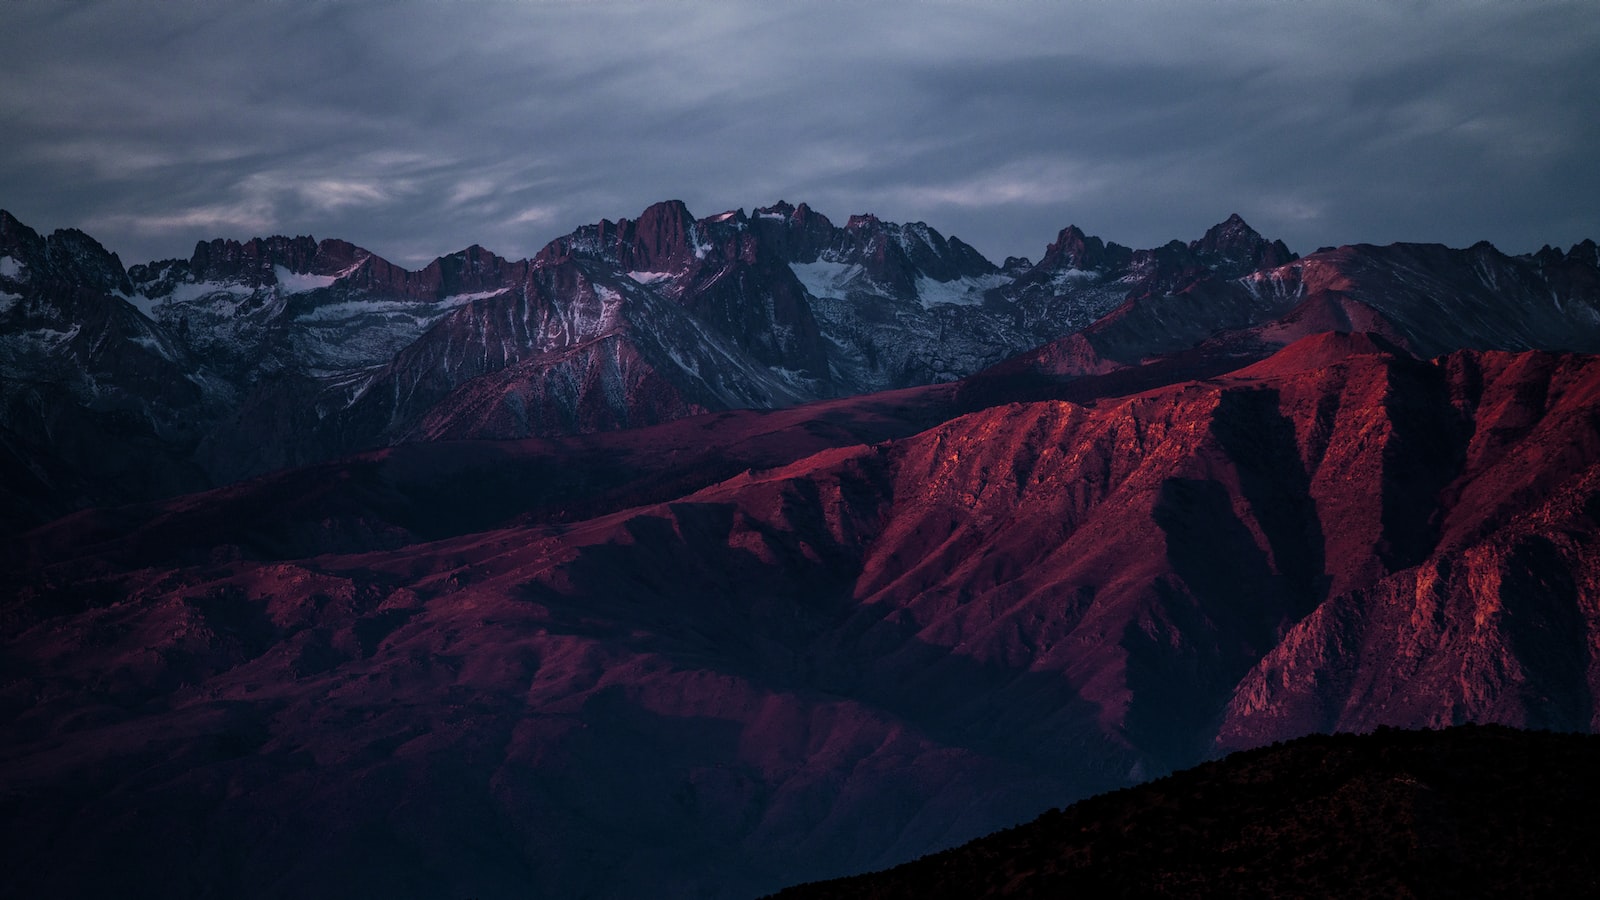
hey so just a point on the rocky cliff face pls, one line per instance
(681, 628)
(97, 403)
(822, 663)
(279, 351)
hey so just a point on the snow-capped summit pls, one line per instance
(280, 350)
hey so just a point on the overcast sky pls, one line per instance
(416, 129)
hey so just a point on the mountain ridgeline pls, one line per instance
(700, 557)
(250, 357)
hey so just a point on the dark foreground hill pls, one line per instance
(1472, 811)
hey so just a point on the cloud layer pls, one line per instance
(416, 129)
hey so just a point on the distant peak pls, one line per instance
(1234, 241)
(14, 235)
(1073, 249)
(1233, 228)
(251, 262)
(667, 209)
(781, 209)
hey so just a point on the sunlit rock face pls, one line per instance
(608, 578)
(289, 350)
(864, 652)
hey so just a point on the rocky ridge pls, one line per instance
(250, 356)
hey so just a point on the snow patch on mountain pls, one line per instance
(826, 279)
(960, 291)
(796, 378)
(695, 241)
(649, 277)
(8, 300)
(191, 291)
(154, 345)
(142, 303)
(908, 236)
(351, 309)
(1066, 276)
(301, 282)
(455, 300)
(421, 312)
(35, 340)
(12, 268)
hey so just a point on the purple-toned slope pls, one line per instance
(831, 665)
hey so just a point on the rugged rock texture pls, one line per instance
(1426, 298)
(822, 664)
(284, 351)
(81, 372)
(1495, 618)
(281, 351)
(652, 641)
(1465, 812)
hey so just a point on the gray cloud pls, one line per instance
(418, 128)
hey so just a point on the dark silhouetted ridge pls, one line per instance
(1471, 811)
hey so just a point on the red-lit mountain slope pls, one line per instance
(119, 385)
(834, 664)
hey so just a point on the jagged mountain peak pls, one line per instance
(801, 213)
(1073, 249)
(782, 209)
(1232, 231)
(254, 263)
(1548, 255)
(475, 255)
(665, 214)
(1236, 248)
(67, 257)
(658, 240)
(14, 234)
(21, 248)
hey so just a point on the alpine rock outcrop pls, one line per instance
(251, 356)
(704, 556)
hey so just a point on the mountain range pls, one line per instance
(700, 557)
